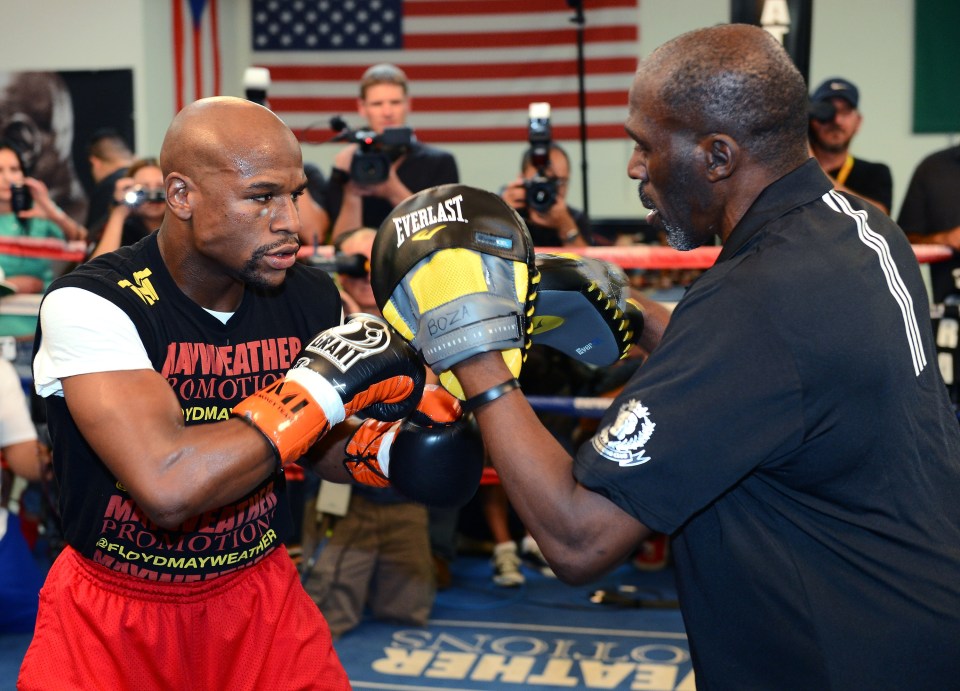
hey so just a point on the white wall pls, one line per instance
(869, 42)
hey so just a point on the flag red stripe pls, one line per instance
(521, 39)
(416, 73)
(431, 104)
(197, 62)
(447, 8)
(488, 134)
(215, 44)
(177, 52)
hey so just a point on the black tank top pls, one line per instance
(210, 366)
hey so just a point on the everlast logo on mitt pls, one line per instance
(344, 349)
(447, 210)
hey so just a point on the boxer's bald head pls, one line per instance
(222, 133)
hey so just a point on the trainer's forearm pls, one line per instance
(581, 532)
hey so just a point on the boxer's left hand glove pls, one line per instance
(582, 309)
(452, 270)
(357, 366)
(433, 457)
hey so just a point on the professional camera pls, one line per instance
(138, 194)
(375, 153)
(822, 111)
(541, 188)
(20, 198)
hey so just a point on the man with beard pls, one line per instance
(834, 120)
(789, 430)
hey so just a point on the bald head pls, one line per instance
(736, 79)
(222, 133)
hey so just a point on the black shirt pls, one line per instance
(932, 205)
(872, 180)
(210, 366)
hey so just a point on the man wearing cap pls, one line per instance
(834, 120)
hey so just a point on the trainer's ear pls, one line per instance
(178, 195)
(721, 155)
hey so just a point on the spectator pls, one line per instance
(43, 219)
(551, 222)
(378, 553)
(384, 102)
(834, 121)
(109, 156)
(138, 207)
(20, 576)
(931, 215)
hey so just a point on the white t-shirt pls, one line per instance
(93, 335)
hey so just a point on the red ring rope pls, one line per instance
(626, 256)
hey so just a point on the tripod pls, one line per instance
(578, 19)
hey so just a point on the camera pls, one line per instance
(541, 188)
(355, 265)
(138, 194)
(375, 153)
(20, 198)
(822, 111)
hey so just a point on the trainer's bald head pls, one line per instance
(223, 134)
(736, 79)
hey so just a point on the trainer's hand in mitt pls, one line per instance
(453, 271)
(357, 366)
(582, 309)
(433, 457)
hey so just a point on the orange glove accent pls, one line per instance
(362, 450)
(286, 414)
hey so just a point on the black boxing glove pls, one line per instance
(434, 457)
(357, 366)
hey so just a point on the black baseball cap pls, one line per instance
(837, 87)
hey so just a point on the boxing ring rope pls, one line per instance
(626, 256)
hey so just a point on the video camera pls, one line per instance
(375, 153)
(822, 111)
(541, 188)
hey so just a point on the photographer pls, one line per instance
(384, 103)
(834, 121)
(551, 222)
(138, 205)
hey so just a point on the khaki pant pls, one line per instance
(378, 557)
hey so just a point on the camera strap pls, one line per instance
(844, 171)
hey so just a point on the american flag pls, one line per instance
(474, 65)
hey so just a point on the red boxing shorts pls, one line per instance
(252, 629)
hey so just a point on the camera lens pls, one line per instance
(541, 193)
(135, 196)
